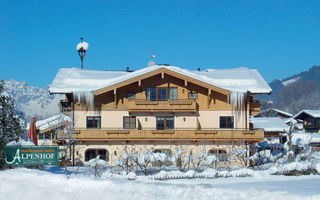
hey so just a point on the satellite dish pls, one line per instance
(151, 63)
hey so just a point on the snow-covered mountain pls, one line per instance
(32, 101)
(297, 92)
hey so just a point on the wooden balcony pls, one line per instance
(254, 107)
(173, 134)
(65, 107)
(181, 105)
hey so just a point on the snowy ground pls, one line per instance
(51, 184)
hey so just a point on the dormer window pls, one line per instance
(162, 94)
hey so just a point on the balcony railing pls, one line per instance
(65, 106)
(255, 107)
(180, 105)
(255, 135)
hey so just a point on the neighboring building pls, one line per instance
(47, 129)
(310, 118)
(160, 108)
(274, 127)
(273, 112)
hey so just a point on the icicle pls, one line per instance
(87, 96)
(237, 100)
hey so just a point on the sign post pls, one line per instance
(30, 155)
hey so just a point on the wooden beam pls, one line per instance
(139, 83)
(162, 75)
(209, 97)
(185, 83)
(115, 97)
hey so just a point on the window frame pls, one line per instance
(156, 96)
(217, 154)
(96, 153)
(164, 123)
(129, 117)
(95, 126)
(193, 93)
(227, 123)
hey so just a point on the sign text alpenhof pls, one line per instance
(30, 155)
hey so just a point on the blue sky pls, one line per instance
(279, 38)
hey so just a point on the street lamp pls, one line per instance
(82, 48)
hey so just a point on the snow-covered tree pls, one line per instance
(96, 166)
(65, 134)
(10, 123)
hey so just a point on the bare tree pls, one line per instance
(289, 134)
(65, 136)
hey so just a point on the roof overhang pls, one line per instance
(161, 71)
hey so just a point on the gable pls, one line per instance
(163, 72)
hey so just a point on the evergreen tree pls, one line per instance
(10, 124)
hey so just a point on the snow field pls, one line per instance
(35, 184)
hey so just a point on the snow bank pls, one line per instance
(32, 184)
(131, 176)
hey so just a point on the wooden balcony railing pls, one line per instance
(254, 107)
(170, 134)
(65, 106)
(180, 105)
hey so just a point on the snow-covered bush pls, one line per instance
(126, 162)
(131, 176)
(96, 166)
(294, 169)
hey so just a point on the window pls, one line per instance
(129, 122)
(40, 136)
(172, 94)
(93, 122)
(193, 95)
(130, 95)
(151, 94)
(165, 123)
(162, 94)
(93, 153)
(165, 151)
(47, 136)
(220, 154)
(226, 122)
(158, 159)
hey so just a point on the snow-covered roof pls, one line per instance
(269, 124)
(70, 80)
(51, 122)
(305, 138)
(282, 112)
(312, 113)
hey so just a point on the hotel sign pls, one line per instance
(30, 155)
